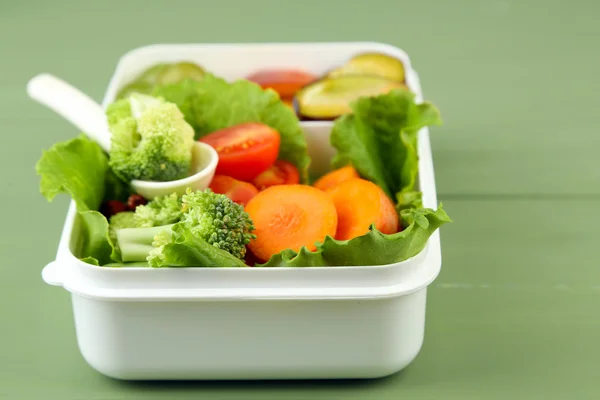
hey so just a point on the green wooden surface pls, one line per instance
(514, 313)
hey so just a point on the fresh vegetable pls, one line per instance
(122, 220)
(135, 200)
(238, 191)
(135, 244)
(288, 223)
(181, 247)
(336, 177)
(379, 139)
(162, 74)
(151, 141)
(162, 210)
(377, 64)
(361, 204)
(286, 82)
(245, 150)
(330, 98)
(250, 259)
(290, 217)
(214, 104)
(218, 220)
(125, 219)
(204, 216)
(112, 207)
(280, 173)
(178, 72)
(374, 248)
(76, 167)
(79, 168)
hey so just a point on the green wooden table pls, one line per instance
(515, 312)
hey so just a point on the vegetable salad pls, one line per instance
(262, 208)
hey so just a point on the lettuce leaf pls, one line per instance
(76, 167)
(188, 250)
(96, 246)
(373, 248)
(185, 95)
(79, 167)
(213, 103)
(380, 139)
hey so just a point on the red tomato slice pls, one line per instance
(280, 173)
(238, 191)
(245, 150)
(286, 82)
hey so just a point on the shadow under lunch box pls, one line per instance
(252, 323)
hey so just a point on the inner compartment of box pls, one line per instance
(231, 62)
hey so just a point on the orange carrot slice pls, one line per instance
(289, 217)
(360, 203)
(336, 177)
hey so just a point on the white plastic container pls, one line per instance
(227, 323)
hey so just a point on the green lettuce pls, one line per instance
(213, 103)
(79, 168)
(373, 248)
(183, 248)
(379, 139)
(76, 167)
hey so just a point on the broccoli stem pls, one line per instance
(136, 243)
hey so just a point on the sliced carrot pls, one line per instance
(360, 203)
(336, 177)
(289, 217)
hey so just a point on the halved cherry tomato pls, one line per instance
(238, 191)
(245, 150)
(280, 173)
(286, 82)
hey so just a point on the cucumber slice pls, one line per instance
(377, 64)
(162, 74)
(329, 98)
(175, 73)
(135, 87)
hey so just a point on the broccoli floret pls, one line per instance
(122, 220)
(218, 220)
(208, 220)
(163, 210)
(156, 256)
(136, 243)
(151, 140)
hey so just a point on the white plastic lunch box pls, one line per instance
(272, 323)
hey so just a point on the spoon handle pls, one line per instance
(73, 105)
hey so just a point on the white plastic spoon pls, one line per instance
(88, 116)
